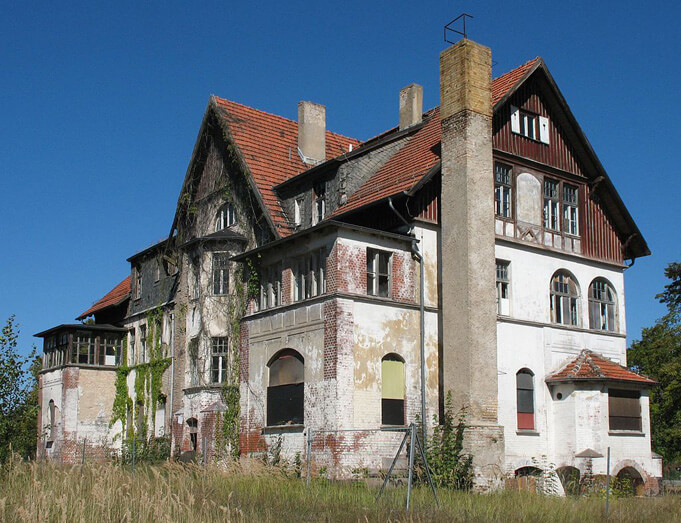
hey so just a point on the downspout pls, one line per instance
(416, 253)
(172, 369)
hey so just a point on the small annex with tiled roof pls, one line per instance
(591, 366)
(115, 297)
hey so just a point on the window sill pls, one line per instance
(629, 433)
(282, 429)
(394, 428)
(526, 432)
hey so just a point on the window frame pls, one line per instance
(393, 409)
(559, 298)
(226, 217)
(525, 416)
(607, 309)
(137, 294)
(524, 118)
(318, 203)
(503, 191)
(621, 401)
(219, 365)
(220, 280)
(374, 274)
(503, 286)
(551, 208)
(286, 401)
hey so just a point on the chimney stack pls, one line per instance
(312, 132)
(469, 319)
(411, 105)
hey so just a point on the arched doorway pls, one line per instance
(630, 482)
(570, 479)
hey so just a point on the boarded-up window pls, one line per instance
(624, 407)
(525, 399)
(286, 389)
(392, 390)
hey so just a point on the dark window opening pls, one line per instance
(624, 408)
(378, 273)
(392, 390)
(525, 399)
(285, 393)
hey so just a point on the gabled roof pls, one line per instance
(591, 366)
(269, 147)
(115, 296)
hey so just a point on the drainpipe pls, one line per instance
(172, 370)
(416, 253)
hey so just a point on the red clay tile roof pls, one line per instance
(592, 366)
(269, 146)
(114, 297)
(408, 166)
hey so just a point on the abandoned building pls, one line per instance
(305, 274)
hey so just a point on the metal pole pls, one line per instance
(309, 456)
(392, 465)
(423, 346)
(83, 456)
(607, 485)
(412, 441)
(425, 465)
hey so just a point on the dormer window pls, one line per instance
(298, 212)
(226, 217)
(530, 125)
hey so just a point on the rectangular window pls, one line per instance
(143, 344)
(319, 207)
(137, 282)
(270, 286)
(220, 273)
(624, 409)
(219, 363)
(309, 275)
(378, 273)
(551, 205)
(83, 349)
(503, 282)
(570, 210)
(196, 280)
(62, 348)
(132, 346)
(528, 125)
(109, 350)
(502, 190)
(298, 212)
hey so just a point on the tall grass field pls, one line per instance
(249, 491)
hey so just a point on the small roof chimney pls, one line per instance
(411, 105)
(312, 132)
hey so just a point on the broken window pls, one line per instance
(502, 190)
(132, 334)
(286, 389)
(525, 399)
(298, 211)
(53, 420)
(143, 343)
(570, 210)
(602, 301)
(83, 349)
(392, 390)
(624, 408)
(310, 275)
(109, 350)
(226, 217)
(220, 273)
(378, 273)
(564, 299)
(503, 282)
(219, 361)
(319, 207)
(193, 428)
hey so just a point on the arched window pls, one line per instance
(226, 217)
(193, 427)
(286, 389)
(525, 399)
(602, 305)
(392, 390)
(564, 299)
(53, 420)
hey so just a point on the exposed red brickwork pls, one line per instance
(250, 435)
(244, 350)
(403, 281)
(330, 339)
(286, 285)
(70, 377)
(332, 269)
(591, 365)
(351, 264)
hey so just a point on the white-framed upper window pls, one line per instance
(319, 207)
(226, 217)
(602, 305)
(530, 125)
(503, 288)
(571, 209)
(378, 272)
(137, 281)
(564, 299)
(502, 190)
(219, 359)
(309, 275)
(551, 205)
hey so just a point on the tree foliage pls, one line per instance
(658, 355)
(18, 395)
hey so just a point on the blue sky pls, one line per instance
(101, 104)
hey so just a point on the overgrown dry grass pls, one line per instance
(251, 492)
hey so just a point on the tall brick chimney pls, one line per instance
(312, 132)
(411, 105)
(469, 340)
